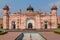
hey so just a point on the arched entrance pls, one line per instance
(13, 25)
(30, 26)
(29, 23)
(45, 24)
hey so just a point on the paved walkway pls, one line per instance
(10, 36)
(50, 35)
(14, 35)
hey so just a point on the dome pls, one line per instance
(54, 7)
(30, 8)
(6, 7)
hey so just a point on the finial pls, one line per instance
(39, 10)
(20, 10)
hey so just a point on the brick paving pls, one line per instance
(50, 35)
(10, 36)
(14, 35)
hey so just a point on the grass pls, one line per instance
(57, 31)
(3, 32)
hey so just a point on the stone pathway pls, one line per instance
(14, 35)
(10, 36)
(50, 35)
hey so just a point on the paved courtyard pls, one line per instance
(10, 36)
(13, 35)
(50, 35)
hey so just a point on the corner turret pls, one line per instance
(6, 9)
(54, 10)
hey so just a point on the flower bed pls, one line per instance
(57, 31)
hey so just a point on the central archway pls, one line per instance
(30, 23)
(30, 26)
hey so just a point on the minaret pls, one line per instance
(5, 17)
(54, 10)
(54, 16)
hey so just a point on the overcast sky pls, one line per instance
(16, 5)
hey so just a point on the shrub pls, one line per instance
(58, 25)
(57, 31)
(3, 32)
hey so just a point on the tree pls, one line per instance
(1, 27)
(59, 26)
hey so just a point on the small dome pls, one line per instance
(54, 7)
(6, 7)
(30, 8)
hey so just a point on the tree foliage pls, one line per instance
(58, 25)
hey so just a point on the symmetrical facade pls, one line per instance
(30, 19)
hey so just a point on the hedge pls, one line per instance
(57, 31)
(3, 32)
